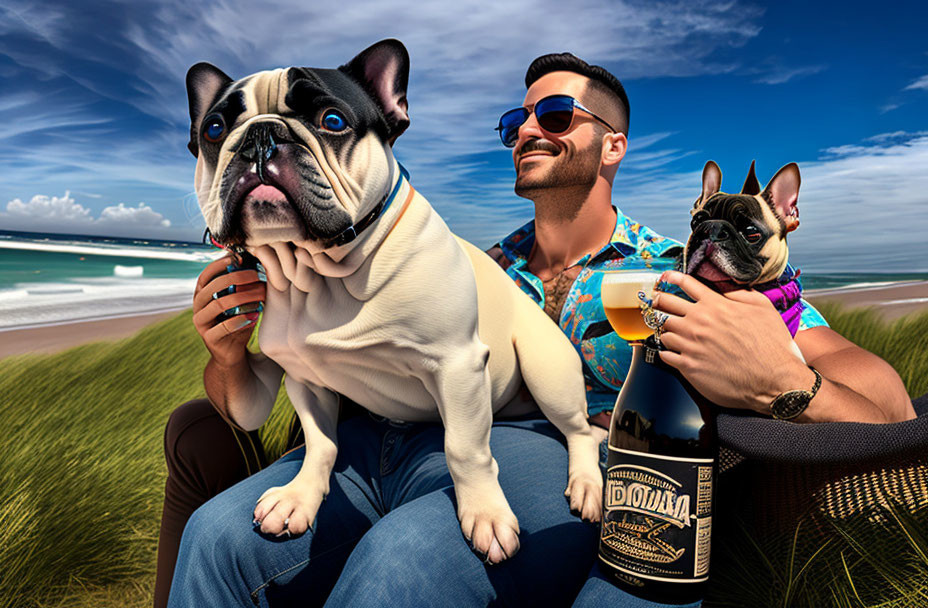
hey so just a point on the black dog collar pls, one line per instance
(351, 233)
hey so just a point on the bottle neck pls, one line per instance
(649, 349)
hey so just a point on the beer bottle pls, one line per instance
(657, 503)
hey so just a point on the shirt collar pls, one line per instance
(518, 245)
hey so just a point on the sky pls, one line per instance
(94, 120)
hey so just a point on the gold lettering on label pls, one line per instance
(664, 504)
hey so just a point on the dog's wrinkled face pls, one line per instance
(296, 154)
(739, 240)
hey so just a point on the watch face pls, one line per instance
(791, 404)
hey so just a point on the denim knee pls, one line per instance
(211, 541)
(389, 566)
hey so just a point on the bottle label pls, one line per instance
(658, 516)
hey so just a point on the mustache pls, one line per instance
(534, 145)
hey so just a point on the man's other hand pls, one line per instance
(226, 340)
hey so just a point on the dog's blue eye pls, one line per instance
(333, 121)
(214, 128)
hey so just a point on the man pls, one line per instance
(574, 217)
(390, 536)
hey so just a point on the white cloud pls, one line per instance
(864, 205)
(42, 208)
(902, 136)
(920, 83)
(781, 74)
(63, 214)
(141, 216)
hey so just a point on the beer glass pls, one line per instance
(622, 282)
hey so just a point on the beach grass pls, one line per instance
(903, 343)
(83, 469)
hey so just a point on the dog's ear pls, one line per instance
(711, 182)
(751, 185)
(383, 69)
(204, 83)
(782, 193)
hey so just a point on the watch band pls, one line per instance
(790, 404)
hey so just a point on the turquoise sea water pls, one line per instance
(19, 266)
(65, 257)
(48, 279)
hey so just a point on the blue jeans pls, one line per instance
(388, 533)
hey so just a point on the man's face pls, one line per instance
(557, 160)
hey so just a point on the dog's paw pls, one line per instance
(585, 491)
(492, 529)
(288, 510)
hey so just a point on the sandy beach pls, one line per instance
(54, 338)
(891, 301)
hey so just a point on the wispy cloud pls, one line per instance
(863, 205)
(780, 74)
(889, 107)
(921, 83)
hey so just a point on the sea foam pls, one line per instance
(113, 250)
(39, 304)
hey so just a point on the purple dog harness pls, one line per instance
(787, 299)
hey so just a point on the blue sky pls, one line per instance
(93, 111)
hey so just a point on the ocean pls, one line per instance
(48, 279)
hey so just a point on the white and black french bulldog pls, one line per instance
(369, 294)
(739, 240)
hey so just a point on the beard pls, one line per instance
(577, 172)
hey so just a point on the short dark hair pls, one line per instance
(600, 78)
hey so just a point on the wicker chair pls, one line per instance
(783, 484)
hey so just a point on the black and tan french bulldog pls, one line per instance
(739, 240)
(369, 294)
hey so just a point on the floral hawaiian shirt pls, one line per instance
(605, 356)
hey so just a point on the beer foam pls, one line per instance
(620, 289)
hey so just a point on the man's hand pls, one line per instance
(226, 340)
(736, 351)
(242, 388)
(733, 348)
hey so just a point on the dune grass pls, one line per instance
(82, 467)
(902, 343)
(874, 561)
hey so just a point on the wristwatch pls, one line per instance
(790, 404)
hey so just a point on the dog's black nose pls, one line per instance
(259, 147)
(719, 233)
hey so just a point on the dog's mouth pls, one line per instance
(702, 265)
(266, 206)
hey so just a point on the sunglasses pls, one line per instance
(553, 113)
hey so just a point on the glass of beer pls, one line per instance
(621, 284)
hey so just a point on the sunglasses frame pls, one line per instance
(575, 105)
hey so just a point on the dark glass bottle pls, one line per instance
(657, 499)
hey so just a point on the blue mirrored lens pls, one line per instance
(555, 113)
(509, 125)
